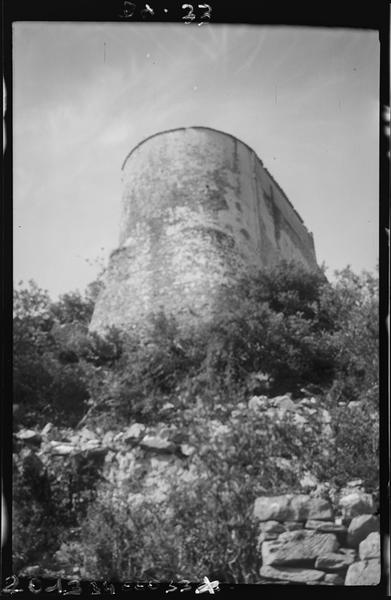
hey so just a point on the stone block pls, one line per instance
(360, 527)
(298, 548)
(355, 504)
(291, 574)
(289, 507)
(333, 562)
(370, 547)
(365, 572)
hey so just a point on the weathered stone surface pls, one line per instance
(272, 508)
(354, 483)
(47, 429)
(133, 433)
(365, 572)
(108, 438)
(293, 525)
(187, 450)
(333, 562)
(269, 530)
(333, 579)
(29, 436)
(295, 575)
(258, 403)
(284, 403)
(325, 526)
(298, 548)
(63, 449)
(370, 547)
(320, 509)
(299, 507)
(198, 210)
(89, 445)
(87, 434)
(355, 504)
(360, 527)
(300, 420)
(157, 444)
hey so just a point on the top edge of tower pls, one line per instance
(197, 127)
(224, 133)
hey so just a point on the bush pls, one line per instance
(355, 451)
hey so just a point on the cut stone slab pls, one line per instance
(298, 548)
(364, 572)
(291, 507)
(333, 562)
(295, 575)
(370, 547)
(360, 527)
(355, 504)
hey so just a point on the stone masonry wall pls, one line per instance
(198, 209)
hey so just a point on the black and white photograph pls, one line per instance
(195, 303)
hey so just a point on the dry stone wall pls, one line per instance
(198, 208)
(306, 539)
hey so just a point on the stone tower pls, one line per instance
(198, 208)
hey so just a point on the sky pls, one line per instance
(306, 100)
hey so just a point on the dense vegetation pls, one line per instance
(282, 331)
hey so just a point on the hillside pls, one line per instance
(246, 448)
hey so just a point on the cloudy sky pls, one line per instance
(306, 100)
